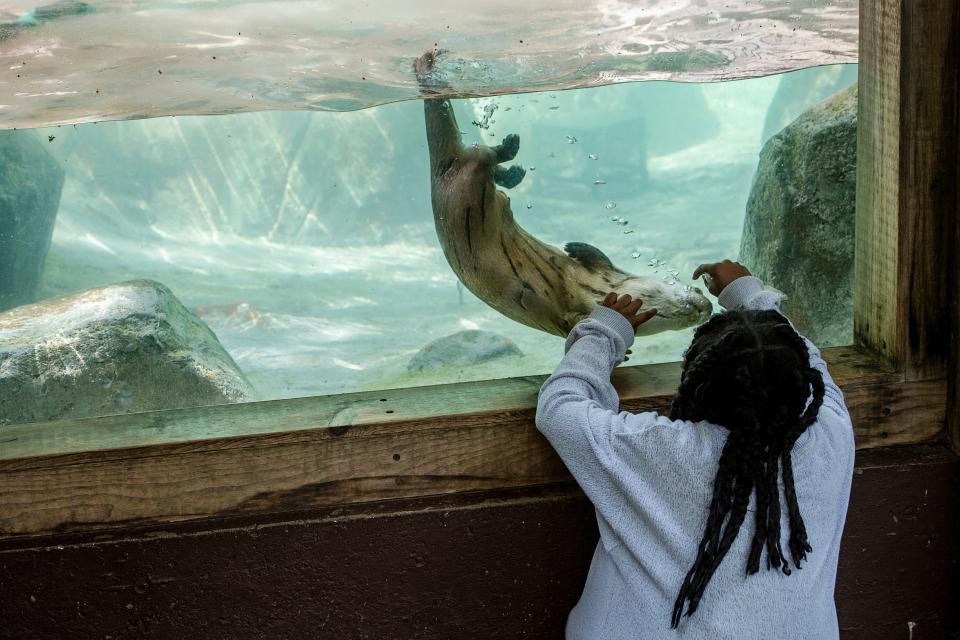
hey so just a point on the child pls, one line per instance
(758, 439)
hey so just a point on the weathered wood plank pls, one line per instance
(434, 406)
(928, 192)
(302, 454)
(906, 186)
(876, 307)
(953, 370)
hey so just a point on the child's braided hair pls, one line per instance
(750, 373)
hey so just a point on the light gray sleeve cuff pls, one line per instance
(742, 294)
(615, 321)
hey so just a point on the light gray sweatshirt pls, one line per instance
(651, 480)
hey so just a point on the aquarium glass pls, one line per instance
(301, 233)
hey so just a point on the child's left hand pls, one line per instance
(628, 308)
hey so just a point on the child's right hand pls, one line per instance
(628, 308)
(718, 275)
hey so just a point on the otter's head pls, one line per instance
(678, 306)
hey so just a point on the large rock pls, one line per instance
(123, 348)
(462, 349)
(30, 185)
(798, 231)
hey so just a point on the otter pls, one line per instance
(526, 280)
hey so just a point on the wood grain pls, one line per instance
(876, 315)
(291, 455)
(953, 387)
(928, 193)
(906, 182)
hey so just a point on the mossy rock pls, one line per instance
(123, 348)
(798, 230)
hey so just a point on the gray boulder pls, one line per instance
(30, 186)
(798, 231)
(123, 348)
(462, 349)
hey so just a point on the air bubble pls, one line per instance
(487, 119)
(637, 254)
(593, 156)
(529, 206)
(610, 205)
(571, 140)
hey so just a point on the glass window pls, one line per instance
(153, 255)
(306, 243)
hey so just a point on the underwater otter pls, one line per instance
(503, 265)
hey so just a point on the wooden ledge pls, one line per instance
(293, 455)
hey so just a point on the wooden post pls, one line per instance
(953, 376)
(906, 182)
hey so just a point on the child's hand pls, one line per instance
(628, 308)
(719, 274)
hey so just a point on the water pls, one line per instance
(305, 240)
(115, 59)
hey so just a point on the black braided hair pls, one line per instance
(749, 372)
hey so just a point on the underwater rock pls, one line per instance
(30, 186)
(798, 230)
(122, 348)
(462, 349)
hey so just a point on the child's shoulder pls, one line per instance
(653, 431)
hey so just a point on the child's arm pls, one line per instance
(738, 290)
(578, 406)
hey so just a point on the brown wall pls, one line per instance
(509, 565)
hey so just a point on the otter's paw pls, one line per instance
(424, 66)
(509, 178)
(507, 150)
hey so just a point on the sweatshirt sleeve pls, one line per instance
(749, 293)
(578, 406)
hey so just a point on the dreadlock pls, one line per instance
(750, 373)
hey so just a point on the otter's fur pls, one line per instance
(503, 265)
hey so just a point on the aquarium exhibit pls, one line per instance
(209, 203)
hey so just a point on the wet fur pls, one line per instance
(503, 265)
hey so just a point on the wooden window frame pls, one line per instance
(289, 456)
